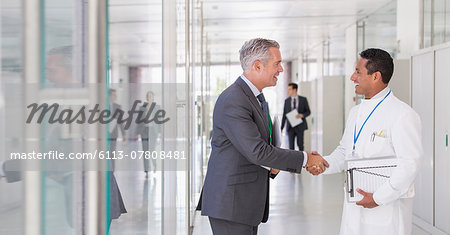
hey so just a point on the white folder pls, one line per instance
(292, 118)
(367, 174)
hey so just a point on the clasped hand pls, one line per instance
(316, 164)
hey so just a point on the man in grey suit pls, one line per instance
(236, 190)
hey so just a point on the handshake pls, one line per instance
(316, 164)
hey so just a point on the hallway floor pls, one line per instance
(303, 203)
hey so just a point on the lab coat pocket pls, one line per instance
(380, 215)
(378, 147)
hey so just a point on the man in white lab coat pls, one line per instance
(380, 126)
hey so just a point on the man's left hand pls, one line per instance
(367, 201)
(299, 115)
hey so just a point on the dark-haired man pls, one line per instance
(299, 103)
(381, 126)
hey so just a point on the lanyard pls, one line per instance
(355, 138)
(270, 129)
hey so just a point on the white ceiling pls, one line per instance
(136, 26)
(297, 25)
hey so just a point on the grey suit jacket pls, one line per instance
(236, 186)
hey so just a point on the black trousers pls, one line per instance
(296, 132)
(225, 227)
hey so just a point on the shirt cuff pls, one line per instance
(305, 158)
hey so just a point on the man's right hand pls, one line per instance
(316, 164)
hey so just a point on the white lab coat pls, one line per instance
(400, 129)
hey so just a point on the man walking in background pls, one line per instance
(299, 103)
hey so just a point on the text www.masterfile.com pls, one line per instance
(108, 155)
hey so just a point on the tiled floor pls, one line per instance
(300, 204)
(303, 203)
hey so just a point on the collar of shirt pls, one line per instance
(378, 96)
(367, 106)
(252, 87)
(296, 101)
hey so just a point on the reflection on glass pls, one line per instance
(436, 22)
(11, 203)
(380, 29)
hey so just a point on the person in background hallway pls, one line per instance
(149, 132)
(59, 74)
(235, 194)
(114, 127)
(301, 104)
(381, 126)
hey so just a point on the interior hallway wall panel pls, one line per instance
(400, 82)
(333, 112)
(305, 90)
(423, 102)
(442, 127)
(326, 101)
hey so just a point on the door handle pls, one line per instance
(446, 140)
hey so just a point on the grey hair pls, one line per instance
(255, 49)
(66, 53)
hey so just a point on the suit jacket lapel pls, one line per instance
(253, 100)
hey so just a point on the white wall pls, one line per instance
(408, 27)
(333, 112)
(400, 83)
(351, 55)
(430, 96)
(326, 123)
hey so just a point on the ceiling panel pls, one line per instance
(299, 26)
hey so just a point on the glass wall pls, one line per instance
(135, 46)
(436, 22)
(58, 78)
(379, 29)
(12, 62)
(141, 56)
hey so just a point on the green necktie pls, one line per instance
(265, 108)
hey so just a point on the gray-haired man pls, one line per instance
(236, 190)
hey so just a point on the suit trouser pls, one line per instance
(296, 132)
(149, 144)
(225, 227)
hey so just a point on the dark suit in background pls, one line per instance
(236, 189)
(297, 131)
(115, 127)
(114, 132)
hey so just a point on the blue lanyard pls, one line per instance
(355, 138)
